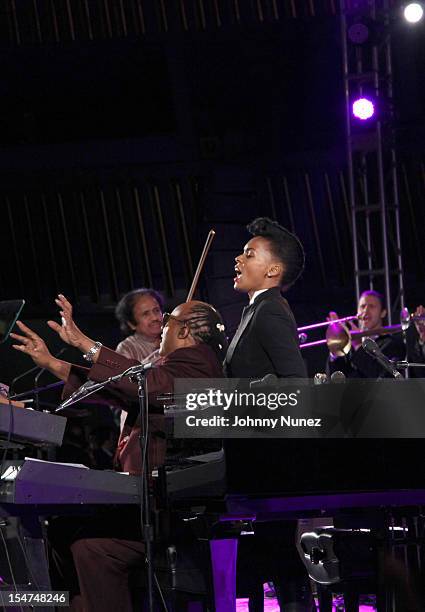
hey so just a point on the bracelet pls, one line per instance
(92, 352)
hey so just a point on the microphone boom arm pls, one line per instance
(90, 387)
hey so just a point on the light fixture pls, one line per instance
(413, 12)
(363, 109)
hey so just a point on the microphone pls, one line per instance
(83, 391)
(138, 369)
(338, 377)
(374, 351)
(268, 379)
(320, 378)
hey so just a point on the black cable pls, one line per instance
(27, 562)
(9, 563)
(164, 604)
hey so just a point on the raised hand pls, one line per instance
(35, 347)
(355, 342)
(338, 335)
(69, 332)
(31, 344)
(335, 331)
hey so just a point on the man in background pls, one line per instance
(139, 314)
(357, 363)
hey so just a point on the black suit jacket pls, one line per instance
(266, 341)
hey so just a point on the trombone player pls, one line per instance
(415, 337)
(353, 361)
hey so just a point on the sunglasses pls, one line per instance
(167, 316)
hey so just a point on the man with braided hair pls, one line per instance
(206, 327)
(193, 345)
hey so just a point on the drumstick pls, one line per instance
(204, 254)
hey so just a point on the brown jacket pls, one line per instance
(198, 361)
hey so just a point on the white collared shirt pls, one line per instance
(256, 294)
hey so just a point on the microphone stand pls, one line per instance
(138, 373)
(36, 391)
(145, 510)
(408, 364)
(20, 376)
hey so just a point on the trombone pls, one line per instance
(303, 337)
(324, 323)
(339, 337)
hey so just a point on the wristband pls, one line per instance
(92, 352)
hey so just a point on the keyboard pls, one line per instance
(20, 424)
(36, 482)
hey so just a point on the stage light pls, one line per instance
(363, 109)
(413, 12)
(358, 32)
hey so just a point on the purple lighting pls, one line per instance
(363, 109)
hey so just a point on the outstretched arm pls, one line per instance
(31, 344)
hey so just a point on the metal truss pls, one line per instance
(371, 154)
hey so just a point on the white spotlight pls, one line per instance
(413, 12)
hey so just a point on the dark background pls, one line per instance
(129, 129)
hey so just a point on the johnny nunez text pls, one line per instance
(237, 421)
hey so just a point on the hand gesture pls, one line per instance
(68, 331)
(32, 345)
(355, 342)
(333, 335)
(337, 335)
(420, 325)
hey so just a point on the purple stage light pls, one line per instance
(363, 109)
